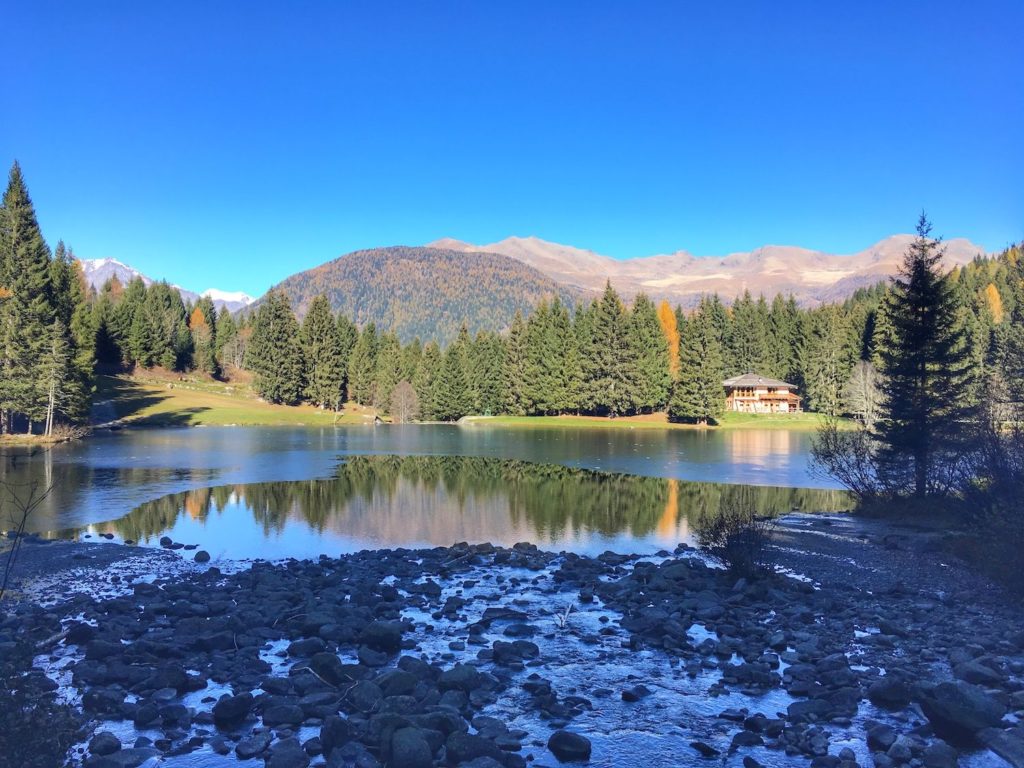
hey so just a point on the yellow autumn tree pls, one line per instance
(995, 303)
(667, 319)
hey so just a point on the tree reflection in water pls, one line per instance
(390, 501)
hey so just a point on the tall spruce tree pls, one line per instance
(425, 380)
(275, 351)
(451, 400)
(612, 366)
(927, 382)
(321, 349)
(389, 370)
(697, 395)
(653, 359)
(26, 304)
(515, 366)
(362, 366)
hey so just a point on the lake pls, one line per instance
(246, 492)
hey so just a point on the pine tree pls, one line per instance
(451, 395)
(611, 368)
(204, 356)
(515, 367)
(829, 359)
(227, 345)
(321, 348)
(26, 308)
(362, 366)
(275, 351)
(426, 378)
(749, 340)
(698, 395)
(348, 335)
(927, 378)
(652, 350)
(57, 374)
(389, 370)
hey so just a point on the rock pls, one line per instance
(288, 753)
(104, 743)
(705, 750)
(383, 636)
(461, 677)
(126, 758)
(746, 739)
(636, 693)
(958, 710)
(569, 747)
(811, 709)
(231, 710)
(979, 674)
(880, 737)
(461, 747)
(283, 714)
(253, 746)
(202, 556)
(1009, 745)
(939, 754)
(409, 749)
(329, 667)
(166, 541)
(334, 732)
(889, 693)
(309, 646)
(365, 696)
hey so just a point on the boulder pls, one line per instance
(410, 749)
(569, 747)
(253, 746)
(889, 693)
(104, 743)
(231, 710)
(383, 636)
(958, 710)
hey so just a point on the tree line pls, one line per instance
(602, 357)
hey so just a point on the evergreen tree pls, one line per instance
(652, 351)
(389, 370)
(611, 368)
(204, 357)
(321, 347)
(362, 366)
(348, 335)
(927, 378)
(227, 346)
(698, 395)
(749, 339)
(275, 351)
(425, 380)
(515, 366)
(451, 395)
(57, 373)
(830, 357)
(26, 308)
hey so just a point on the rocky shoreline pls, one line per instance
(872, 651)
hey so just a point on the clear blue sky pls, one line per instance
(230, 144)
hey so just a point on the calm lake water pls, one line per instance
(235, 491)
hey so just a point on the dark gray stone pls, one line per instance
(569, 747)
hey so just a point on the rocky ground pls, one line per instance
(868, 649)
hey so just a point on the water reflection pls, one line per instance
(412, 501)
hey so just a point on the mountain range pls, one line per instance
(430, 291)
(813, 277)
(99, 271)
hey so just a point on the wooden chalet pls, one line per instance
(753, 393)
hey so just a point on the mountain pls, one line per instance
(811, 276)
(425, 292)
(99, 271)
(233, 300)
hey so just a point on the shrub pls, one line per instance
(737, 538)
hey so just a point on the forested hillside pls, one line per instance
(425, 292)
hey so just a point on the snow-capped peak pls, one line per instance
(229, 297)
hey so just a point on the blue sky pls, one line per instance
(230, 144)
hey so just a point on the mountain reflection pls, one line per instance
(391, 501)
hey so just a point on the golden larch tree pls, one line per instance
(995, 303)
(667, 318)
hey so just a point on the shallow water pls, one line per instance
(375, 502)
(105, 476)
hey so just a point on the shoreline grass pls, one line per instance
(156, 400)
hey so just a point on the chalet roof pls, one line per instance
(755, 380)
